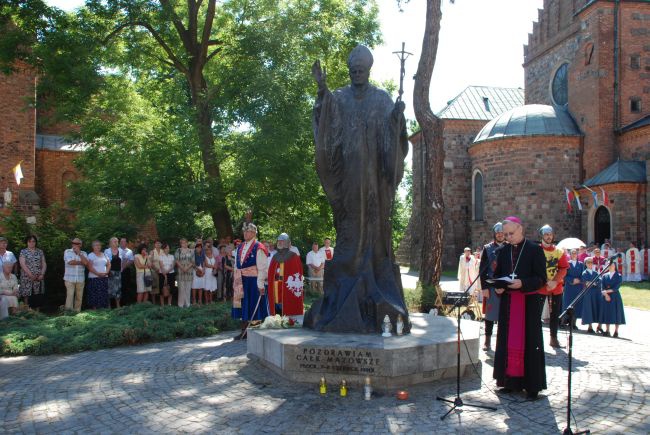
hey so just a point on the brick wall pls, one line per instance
(586, 42)
(457, 190)
(458, 137)
(526, 176)
(54, 170)
(635, 144)
(17, 127)
(635, 42)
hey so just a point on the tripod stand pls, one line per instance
(569, 312)
(458, 401)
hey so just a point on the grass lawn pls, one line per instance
(636, 294)
(450, 274)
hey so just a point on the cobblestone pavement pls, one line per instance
(209, 386)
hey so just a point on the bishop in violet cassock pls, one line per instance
(519, 358)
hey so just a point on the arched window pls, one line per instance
(560, 85)
(477, 196)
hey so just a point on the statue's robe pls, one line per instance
(361, 144)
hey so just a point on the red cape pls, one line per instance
(286, 286)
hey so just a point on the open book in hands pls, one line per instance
(502, 282)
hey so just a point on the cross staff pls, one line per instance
(402, 56)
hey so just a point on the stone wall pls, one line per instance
(525, 176)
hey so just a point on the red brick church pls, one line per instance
(584, 124)
(43, 149)
(46, 158)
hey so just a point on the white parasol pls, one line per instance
(571, 243)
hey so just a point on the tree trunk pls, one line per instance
(434, 153)
(216, 205)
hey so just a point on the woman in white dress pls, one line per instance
(210, 277)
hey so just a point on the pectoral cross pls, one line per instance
(513, 275)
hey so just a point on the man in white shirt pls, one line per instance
(316, 265)
(327, 251)
(74, 278)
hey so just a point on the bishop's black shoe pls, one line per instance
(532, 395)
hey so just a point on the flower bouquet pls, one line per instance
(279, 322)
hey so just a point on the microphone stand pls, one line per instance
(458, 401)
(569, 312)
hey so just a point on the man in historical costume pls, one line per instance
(598, 260)
(519, 357)
(467, 271)
(633, 264)
(285, 278)
(645, 262)
(557, 265)
(490, 298)
(327, 250)
(361, 142)
(251, 265)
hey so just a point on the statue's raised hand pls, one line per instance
(320, 75)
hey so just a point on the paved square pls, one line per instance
(210, 386)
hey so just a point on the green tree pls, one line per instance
(242, 63)
(227, 82)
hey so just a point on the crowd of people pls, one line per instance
(195, 273)
(568, 272)
(522, 283)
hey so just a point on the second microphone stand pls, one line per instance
(569, 312)
(457, 402)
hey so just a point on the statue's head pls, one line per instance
(359, 64)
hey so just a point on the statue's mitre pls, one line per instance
(361, 55)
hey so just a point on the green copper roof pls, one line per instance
(621, 171)
(530, 120)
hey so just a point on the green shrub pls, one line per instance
(420, 299)
(32, 333)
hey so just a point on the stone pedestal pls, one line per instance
(425, 355)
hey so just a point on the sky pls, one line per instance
(481, 43)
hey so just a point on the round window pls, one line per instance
(560, 87)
